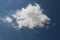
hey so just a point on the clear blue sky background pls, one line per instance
(51, 8)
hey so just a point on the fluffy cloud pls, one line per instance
(7, 19)
(30, 17)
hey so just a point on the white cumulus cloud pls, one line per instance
(30, 17)
(7, 19)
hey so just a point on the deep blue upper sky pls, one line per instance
(51, 8)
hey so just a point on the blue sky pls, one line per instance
(51, 8)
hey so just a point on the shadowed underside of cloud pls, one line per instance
(30, 17)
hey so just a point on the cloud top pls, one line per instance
(30, 17)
